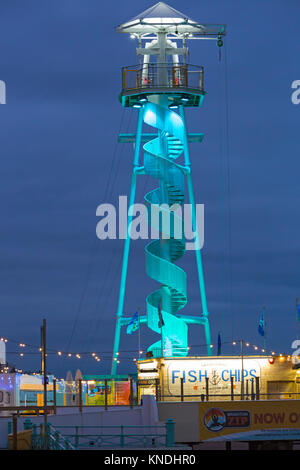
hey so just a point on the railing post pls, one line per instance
(131, 394)
(232, 388)
(122, 436)
(42, 435)
(56, 438)
(247, 389)
(137, 392)
(252, 389)
(47, 435)
(27, 424)
(157, 390)
(170, 428)
(54, 395)
(185, 76)
(15, 432)
(207, 388)
(124, 80)
(181, 389)
(257, 387)
(34, 437)
(67, 444)
(76, 437)
(80, 395)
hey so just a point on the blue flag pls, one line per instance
(133, 325)
(161, 323)
(298, 312)
(219, 344)
(261, 325)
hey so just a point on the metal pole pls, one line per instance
(41, 349)
(252, 389)
(80, 395)
(15, 432)
(76, 437)
(207, 388)
(131, 394)
(161, 334)
(257, 387)
(195, 229)
(139, 333)
(265, 330)
(127, 244)
(54, 395)
(45, 380)
(232, 388)
(137, 392)
(105, 394)
(297, 318)
(181, 389)
(242, 379)
(157, 390)
(170, 428)
(228, 445)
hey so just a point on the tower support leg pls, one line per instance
(127, 244)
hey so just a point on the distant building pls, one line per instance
(2, 352)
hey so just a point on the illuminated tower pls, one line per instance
(160, 88)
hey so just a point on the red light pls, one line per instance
(271, 360)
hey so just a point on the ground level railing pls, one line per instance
(121, 436)
(64, 437)
(38, 438)
(51, 440)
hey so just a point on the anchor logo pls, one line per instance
(215, 378)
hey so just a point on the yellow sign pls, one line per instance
(250, 420)
(96, 392)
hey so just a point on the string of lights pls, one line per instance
(106, 355)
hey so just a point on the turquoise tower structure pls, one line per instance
(160, 87)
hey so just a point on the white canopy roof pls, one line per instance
(162, 17)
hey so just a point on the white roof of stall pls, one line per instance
(2, 352)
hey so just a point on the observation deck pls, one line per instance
(183, 83)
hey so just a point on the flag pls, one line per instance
(261, 325)
(133, 325)
(161, 323)
(298, 307)
(219, 344)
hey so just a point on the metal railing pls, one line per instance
(32, 409)
(154, 75)
(250, 391)
(51, 440)
(86, 437)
